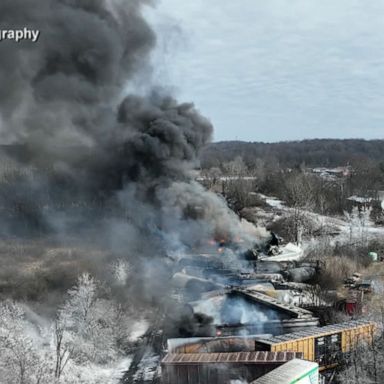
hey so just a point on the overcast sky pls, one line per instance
(270, 70)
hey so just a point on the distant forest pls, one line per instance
(310, 153)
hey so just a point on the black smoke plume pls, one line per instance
(90, 158)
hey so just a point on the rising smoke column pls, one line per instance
(63, 102)
(65, 88)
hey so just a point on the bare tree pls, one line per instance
(87, 326)
(300, 197)
(236, 167)
(62, 349)
(20, 361)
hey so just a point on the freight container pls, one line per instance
(220, 368)
(324, 345)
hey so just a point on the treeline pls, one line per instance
(298, 187)
(311, 153)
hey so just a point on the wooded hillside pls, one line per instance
(312, 153)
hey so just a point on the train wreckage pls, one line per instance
(249, 320)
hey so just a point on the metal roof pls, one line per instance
(230, 358)
(261, 298)
(315, 331)
(290, 372)
(202, 344)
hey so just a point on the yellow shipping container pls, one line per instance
(323, 345)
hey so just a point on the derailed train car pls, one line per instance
(324, 345)
(222, 359)
(221, 368)
(213, 344)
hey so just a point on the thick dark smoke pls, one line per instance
(65, 88)
(94, 157)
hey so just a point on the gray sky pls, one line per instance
(270, 70)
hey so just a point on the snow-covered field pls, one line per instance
(349, 228)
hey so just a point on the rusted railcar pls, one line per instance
(221, 368)
(212, 344)
(324, 345)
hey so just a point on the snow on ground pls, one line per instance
(273, 202)
(139, 329)
(349, 228)
(289, 252)
(148, 368)
(96, 374)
